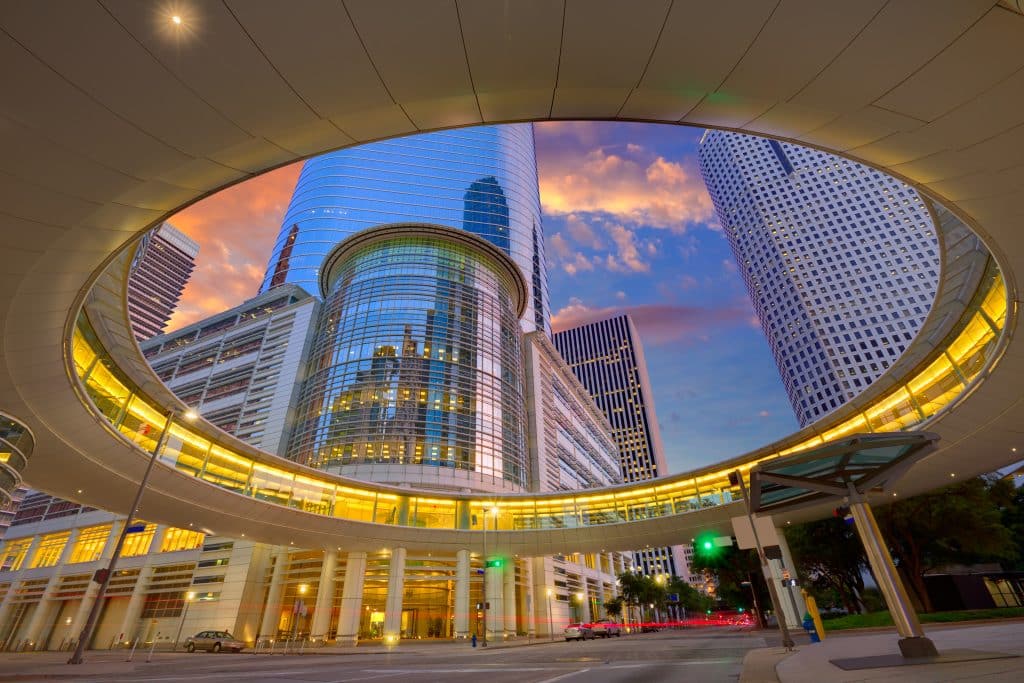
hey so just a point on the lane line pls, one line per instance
(565, 675)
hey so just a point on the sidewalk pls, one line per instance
(810, 663)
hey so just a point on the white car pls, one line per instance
(606, 629)
(578, 632)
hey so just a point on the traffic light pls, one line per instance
(495, 563)
(709, 545)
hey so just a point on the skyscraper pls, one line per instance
(482, 180)
(841, 261)
(608, 359)
(161, 269)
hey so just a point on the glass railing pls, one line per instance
(944, 376)
(16, 446)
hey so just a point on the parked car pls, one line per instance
(578, 632)
(606, 629)
(213, 641)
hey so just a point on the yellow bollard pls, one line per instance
(812, 609)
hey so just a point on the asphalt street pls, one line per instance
(707, 656)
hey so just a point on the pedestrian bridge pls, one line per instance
(114, 119)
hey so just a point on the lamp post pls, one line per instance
(102, 576)
(493, 509)
(189, 597)
(551, 621)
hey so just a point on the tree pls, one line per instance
(829, 554)
(640, 591)
(738, 573)
(613, 607)
(960, 524)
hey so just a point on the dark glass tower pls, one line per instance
(482, 180)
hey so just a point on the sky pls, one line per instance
(629, 228)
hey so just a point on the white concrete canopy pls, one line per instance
(113, 118)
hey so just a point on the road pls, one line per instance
(709, 655)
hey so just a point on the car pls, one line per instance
(606, 629)
(578, 632)
(213, 641)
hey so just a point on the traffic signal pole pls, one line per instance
(787, 639)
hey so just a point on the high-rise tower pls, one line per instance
(162, 267)
(482, 180)
(841, 261)
(608, 359)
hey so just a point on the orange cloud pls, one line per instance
(637, 188)
(235, 229)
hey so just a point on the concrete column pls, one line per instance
(324, 596)
(352, 599)
(791, 594)
(393, 603)
(793, 620)
(44, 609)
(7, 605)
(508, 578)
(462, 594)
(272, 610)
(528, 600)
(135, 603)
(543, 617)
(93, 588)
(495, 598)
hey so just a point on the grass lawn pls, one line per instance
(883, 618)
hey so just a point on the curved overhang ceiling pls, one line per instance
(112, 120)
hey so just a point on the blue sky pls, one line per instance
(629, 227)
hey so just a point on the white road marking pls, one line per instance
(566, 675)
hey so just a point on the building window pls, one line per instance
(181, 539)
(90, 544)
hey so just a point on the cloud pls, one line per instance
(657, 323)
(235, 229)
(579, 262)
(582, 233)
(628, 257)
(559, 246)
(728, 265)
(764, 413)
(620, 295)
(629, 183)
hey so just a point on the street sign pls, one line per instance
(135, 529)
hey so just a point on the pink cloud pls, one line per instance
(657, 323)
(235, 229)
(628, 257)
(635, 187)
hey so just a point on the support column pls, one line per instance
(913, 642)
(396, 590)
(791, 594)
(793, 620)
(528, 599)
(138, 598)
(324, 596)
(508, 578)
(352, 599)
(462, 594)
(93, 588)
(495, 598)
(44, 609)
(542, 601)
(272, 610)
(7, 605)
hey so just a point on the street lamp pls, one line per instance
(189, 597)
(551, 621)
(494, 510)
(579, 599)
(102, 576)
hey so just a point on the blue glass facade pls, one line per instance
(483, 180)
(417, 362)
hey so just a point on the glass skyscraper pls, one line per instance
(841, 261)
(482, 180)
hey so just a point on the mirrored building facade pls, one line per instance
(415, 376)
(482, 180)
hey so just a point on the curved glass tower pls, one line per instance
(482, 180)
(415, 373)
